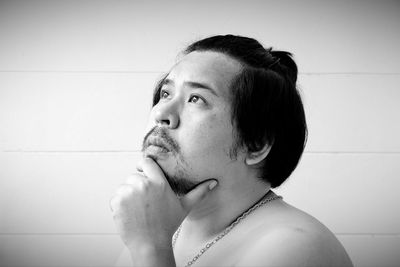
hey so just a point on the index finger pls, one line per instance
(152, 170)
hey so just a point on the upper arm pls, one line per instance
(295, 247)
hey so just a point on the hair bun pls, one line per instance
(286, 63)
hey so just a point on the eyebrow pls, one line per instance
(192, 84)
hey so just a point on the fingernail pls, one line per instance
(212, 185)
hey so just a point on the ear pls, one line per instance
(256, 157)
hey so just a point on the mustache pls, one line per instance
(163, 134)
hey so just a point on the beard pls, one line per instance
(179, 183)
(178, 179)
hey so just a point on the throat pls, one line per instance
(187, 241)
(217, 213)
(200, 230)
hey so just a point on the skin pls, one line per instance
(147, 211)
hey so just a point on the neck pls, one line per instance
(227, 202)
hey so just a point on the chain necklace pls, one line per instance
(263, 201)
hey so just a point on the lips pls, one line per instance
(156, 145)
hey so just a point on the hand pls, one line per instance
(147, 212)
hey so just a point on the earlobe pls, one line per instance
(256, 157)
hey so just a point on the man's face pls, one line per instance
(190, 130)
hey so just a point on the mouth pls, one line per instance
(156, 147)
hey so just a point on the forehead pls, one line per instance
(212, 68)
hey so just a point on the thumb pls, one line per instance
(197, 194)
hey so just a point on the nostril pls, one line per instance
(165, 122)
(167, 115)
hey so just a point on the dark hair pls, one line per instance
(266, 106)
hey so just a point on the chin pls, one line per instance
(179, 179)
(175, 171)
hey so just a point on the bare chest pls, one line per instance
(226, 251)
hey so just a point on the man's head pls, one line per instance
(228, 104)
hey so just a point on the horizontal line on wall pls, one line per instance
(71, 151)
(138, 151)
(56, 234)
(349, 73)
(78, 71)
(116, 234)
(370, 234)
(351, 152)
(150, 71)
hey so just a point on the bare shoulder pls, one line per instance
(291, 237)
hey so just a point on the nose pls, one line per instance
(167, 114)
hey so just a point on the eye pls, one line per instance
(164, 94)
(195, 99)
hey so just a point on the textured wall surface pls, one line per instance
(76, 80)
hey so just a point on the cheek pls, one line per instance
(211, 138)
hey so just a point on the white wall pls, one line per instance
(76, 80)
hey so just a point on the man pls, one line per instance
(227, 125)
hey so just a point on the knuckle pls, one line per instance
(120, 201)
(132, 178)
(129, 191)
(143, 184)
(115, 203)
(124, 190)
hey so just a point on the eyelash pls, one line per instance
(163, 92)
(198, 98)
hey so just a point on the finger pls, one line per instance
(111, 203)
(139, 164)
(134, 178)
(115, 203)
(152, 171)
(139, 167)
(197, 194)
